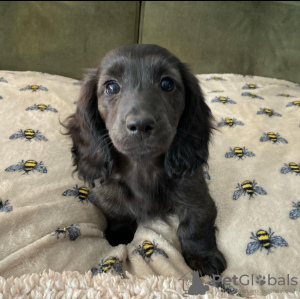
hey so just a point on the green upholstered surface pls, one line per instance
(63, 37)
(247, 37)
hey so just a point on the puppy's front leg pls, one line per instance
(196, 232)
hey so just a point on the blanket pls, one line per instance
(49, 220)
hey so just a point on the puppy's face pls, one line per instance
(141, 99)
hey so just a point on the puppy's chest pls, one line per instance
(136, 195)
(137, 188)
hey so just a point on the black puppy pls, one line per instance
(140, 136)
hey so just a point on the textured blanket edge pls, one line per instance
(70, 284)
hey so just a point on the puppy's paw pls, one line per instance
(207, 263)
(115, 238)
(119, 234)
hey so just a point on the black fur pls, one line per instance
(151, 168)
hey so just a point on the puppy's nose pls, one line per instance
(141, 126)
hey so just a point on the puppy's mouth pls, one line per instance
(137, 149)
(142, 151)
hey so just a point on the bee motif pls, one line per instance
(223, 100)
(267, 111)
(252, 95)
(111, 263)
(27, 166)
(230, 122)
(239, 152)
(3, 80)
(250, 86)
(291, 167)
(295, 213)
(264, 239)
(72, 231)
(41, 107)
(248, 187)
(82, 192)
(275, 138)
(29, 134)
(285, 95)
(215, 78)
(34, 88)
(4, 206)
(294, 103)
(147, 249)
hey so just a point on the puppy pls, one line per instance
(140, 137)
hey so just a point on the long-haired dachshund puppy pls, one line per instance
(140, 137)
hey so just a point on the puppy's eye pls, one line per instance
(167, 84)
(112, 88)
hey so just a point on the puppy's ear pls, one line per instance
(189, 149)
(91, 154)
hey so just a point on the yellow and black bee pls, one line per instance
(252, 95)
(216, 91)
(3, 80)
(239, 152)
(295, 213)
(29, 134)
(285, 95)
(34, 88)
(275, 138)
(215, 78)
(291, 167)
(264, 239)
(111, 263)
(27, 166)
(294, 103)
(223, 100)
(230, 122)
(72, 231)
(250, 86)
(5, 206)
(41, 107)
(248, 187)
(82, 192)
(269, 112)
(147, 249)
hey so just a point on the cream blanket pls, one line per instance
(48, 219)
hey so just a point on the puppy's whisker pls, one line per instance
(194, 136)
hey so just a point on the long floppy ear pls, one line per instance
(91, 154)
(189, 149)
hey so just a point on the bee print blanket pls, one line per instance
(49, 220)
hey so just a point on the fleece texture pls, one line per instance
(49, 221)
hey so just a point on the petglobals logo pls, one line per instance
(251, 280)
(196, 286)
